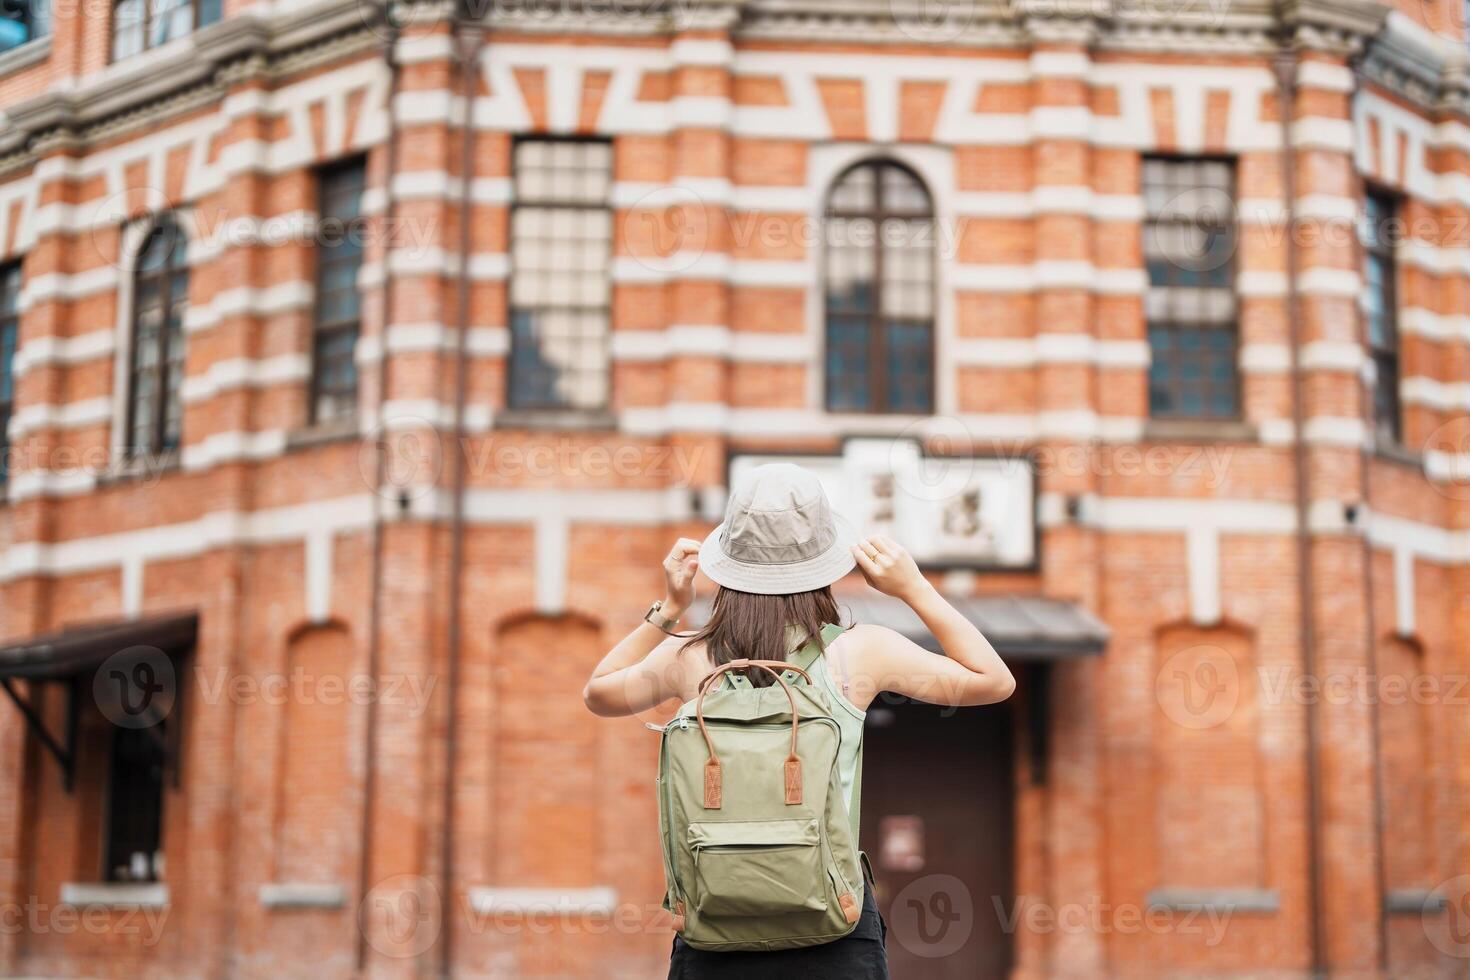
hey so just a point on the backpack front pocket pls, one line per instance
(758, 867)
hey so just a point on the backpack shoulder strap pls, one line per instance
(809, 651)
(804, 658)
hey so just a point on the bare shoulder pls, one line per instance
(690, 663)
(862, 642)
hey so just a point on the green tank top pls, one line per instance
(812, 658)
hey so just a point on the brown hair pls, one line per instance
(753, 626)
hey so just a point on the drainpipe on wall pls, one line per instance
(380, 480)
(469, 37)
(1286, 70)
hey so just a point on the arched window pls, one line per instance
(880, 291)
(156, 371)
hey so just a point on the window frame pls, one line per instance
(196, 8)
(320, 330)
(158, 430)
(1391, 352)
(9, 324)
(513, 405)
(877, 379)
(1236, 385)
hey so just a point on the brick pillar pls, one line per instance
(403, 909)
(1067, 395)
(19, 608)
(1328, 285)
(698, 237)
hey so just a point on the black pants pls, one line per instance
(859, 955)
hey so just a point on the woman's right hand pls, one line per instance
(679, 566)
(888, 567)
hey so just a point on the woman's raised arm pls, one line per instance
(971, 673)
(644, 670)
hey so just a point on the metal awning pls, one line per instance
(1021, 627)
(72, 651)
(68, 658)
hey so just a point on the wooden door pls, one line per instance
(937, 825)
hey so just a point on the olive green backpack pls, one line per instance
(759, 850)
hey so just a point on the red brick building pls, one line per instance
(356, 371)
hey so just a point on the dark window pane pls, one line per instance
(9, 337)
(341, 232)
(1379, 303)
(910, 367)
(134, 804)
(160, 297)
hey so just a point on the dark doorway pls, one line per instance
(938, 825)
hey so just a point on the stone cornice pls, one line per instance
(1340, 27)
(1389, 50)
(1425, 69)
(194, 73)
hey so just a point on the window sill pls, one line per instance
(324, 433)
(139, 469)
(1198, 430)
(33, 52)
(1232, 900)
(116, 894)
(542, 901)
(302, 895)
(555, 418)
(1414, 901)
(1397, 452)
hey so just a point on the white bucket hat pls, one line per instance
(780, 535)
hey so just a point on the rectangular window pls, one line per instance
(138, 25)
(1380, 312)
(135, 780)
(560, 288)
(9, 333)
(1189, 240)
(341, 234)
(22, 21)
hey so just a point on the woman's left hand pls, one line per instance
(679, 568)
(888, 567)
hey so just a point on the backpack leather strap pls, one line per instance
(713, 774)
